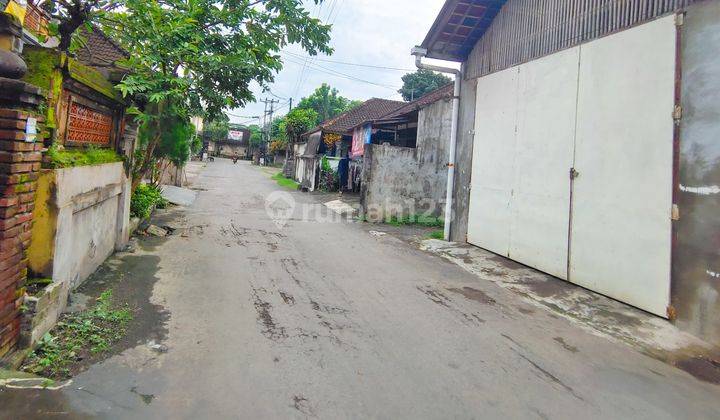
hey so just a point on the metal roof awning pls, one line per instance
(459, 26)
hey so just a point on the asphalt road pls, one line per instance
(318, 318)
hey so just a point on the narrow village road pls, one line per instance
(324, 320)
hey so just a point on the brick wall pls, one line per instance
(19, 166)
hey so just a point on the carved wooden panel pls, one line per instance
(88, 126)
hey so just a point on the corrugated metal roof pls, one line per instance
(459, 26)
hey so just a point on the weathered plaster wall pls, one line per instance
(231, 150)
(463, 160)
(83, 218)
(88, 199)
(410, 181)
(696, 257)
(42, 242)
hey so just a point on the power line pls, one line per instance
(351, 64)
(326, 70)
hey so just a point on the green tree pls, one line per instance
(418, 84)
(217, 129)
(71, 15)
(326, 102)
(187, 55)
(299, 121)
(256, 136)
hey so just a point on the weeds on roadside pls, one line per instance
(437, 234)
(419, 220)
(285, 182)
(78, 336)
(416, 220)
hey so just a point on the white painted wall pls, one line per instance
(605, 108)
(93, 218)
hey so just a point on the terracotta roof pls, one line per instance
(459, 26)
(99, 50)
(444, 92)
(369, 110)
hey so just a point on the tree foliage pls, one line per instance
(205, 53)
(326, 102)
(298, 121)
(71, 15)
(217, 129)
(194, 55)
(256, 136)
(422, 82)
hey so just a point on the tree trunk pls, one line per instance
(147, 161)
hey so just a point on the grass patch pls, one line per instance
(437, 234)
(77, 337)
(144, 199)
(417, 220)
(285, 182)
(69, 158)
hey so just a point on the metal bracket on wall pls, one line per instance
(680, 19)
(677, 113)
(675, 213)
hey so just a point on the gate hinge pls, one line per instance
(680, 19)
(677, 113)
(574, 173)
(675, 213)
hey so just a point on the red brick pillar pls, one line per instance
(20, 158)
(19, 166)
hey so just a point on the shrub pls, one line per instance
(144, 199)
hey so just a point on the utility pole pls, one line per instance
(267, 125)
(290, 104)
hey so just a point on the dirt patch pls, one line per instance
(130, 279)
(526, 311)
(270, 328)
(435, 296)
(287, 298)
(132, 283)
(506, 262)
(302, 405)
(702, 368)
(566, 346)
(546, 288)
(474, 294)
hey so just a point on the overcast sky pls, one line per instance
(371, 32)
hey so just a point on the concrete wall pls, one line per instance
(696, 257)
(91, 201)
(84, 218)
(463, 160)
(410, 181)
(230, 150)
(172, 175)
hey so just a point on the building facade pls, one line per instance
(587, 144)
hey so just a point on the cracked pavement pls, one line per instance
(318, 319)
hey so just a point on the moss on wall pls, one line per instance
(42, 63)
(42, 241)
(93, 78)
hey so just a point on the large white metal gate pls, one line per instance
(605, 110)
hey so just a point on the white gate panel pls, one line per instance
(544, 155)
(493, 162)
(622, 200)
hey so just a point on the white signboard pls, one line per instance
(235, 135)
